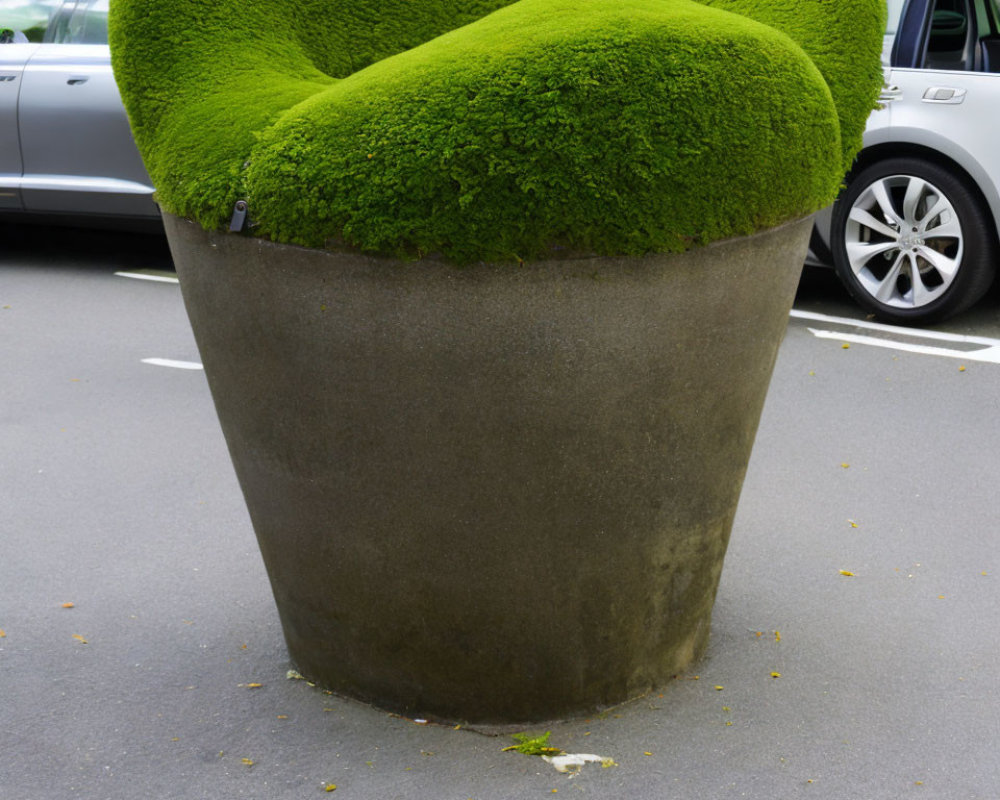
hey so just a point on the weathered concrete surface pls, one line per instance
(491, 494)
(119, 495)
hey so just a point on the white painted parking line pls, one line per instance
(893, 337)
(168, 362)
(987, 354)
(148, 275)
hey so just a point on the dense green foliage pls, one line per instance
(840, 37)
(435, 126)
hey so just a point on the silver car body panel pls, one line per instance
(83, 165)
(950, 112)
(65, 143)
(962, 126)
(12, 60)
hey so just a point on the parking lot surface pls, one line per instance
(855, 638)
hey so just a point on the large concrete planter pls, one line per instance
(490, 494)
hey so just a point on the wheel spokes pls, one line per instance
(944, 265)
(880, 192)
(915, 191)
(950, 228)
(887, 289)
(938, 209)
(903, 241)
(920, 294)
(860, 253)
(864, 217)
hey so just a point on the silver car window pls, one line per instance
(79, 22)
(26, 20)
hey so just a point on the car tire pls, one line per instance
(912, 241)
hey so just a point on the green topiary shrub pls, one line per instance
(491, 129)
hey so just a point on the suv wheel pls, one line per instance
(911, 242)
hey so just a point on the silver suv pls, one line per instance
(65, 145)
(913, 236)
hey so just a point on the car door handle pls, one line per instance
(76, 80)
(890, 93)
(944, 94)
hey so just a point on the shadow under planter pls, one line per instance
(491, 494)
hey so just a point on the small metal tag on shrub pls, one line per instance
(239, 217)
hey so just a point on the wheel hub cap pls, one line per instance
(910, 241)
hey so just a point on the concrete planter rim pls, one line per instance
(557, 256)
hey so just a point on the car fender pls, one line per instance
(888, 142)
(897, 141)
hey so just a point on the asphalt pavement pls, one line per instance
(855, 640)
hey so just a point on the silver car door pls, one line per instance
(77, 150)
(956, 113)
(15, 18)
(12, 58)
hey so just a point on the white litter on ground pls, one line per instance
(572, 763)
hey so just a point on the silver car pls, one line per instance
(66, 151)
(913, 235)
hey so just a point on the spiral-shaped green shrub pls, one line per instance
(491, 129)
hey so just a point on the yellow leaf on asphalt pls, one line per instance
(330, 787)
(777, 636)
(251, 685)
(847, 572)
(69, 605)
(719, 688)
(3, 633)
(79, 638)
(248, 761)
(775, 674)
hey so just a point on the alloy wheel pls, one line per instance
(904, 241)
